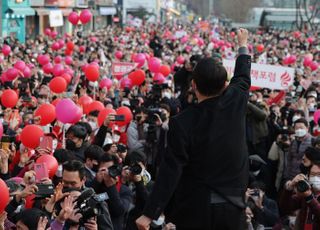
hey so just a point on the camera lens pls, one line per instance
(302, 186)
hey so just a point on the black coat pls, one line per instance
(206, 152)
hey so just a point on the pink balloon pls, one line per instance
(188, 49)
(69, 71)
(140, 58)
(78, 115)
(154, 64)
(54, 34)
(118, 54)
(85, 16)
(180, 60)
(1, 130)
(316, 116)
(20, 65)
(158, 78)
(310, 40)
(6, 50)
(26, 72)
(66, 110)
(73, 18)
(126, 83)
(105, 82)
(82, 49)
(47, 31)
(61, 43)
(43, 59)
(30, 65)
(57, 59)
(184, 39)
(58, 70)
(314, 66)
(68, 60)
(292, 59)
(200, 42)
(93, 39)
(47, 68)
(12, 74)
(55, 46)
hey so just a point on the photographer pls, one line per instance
(73, 177)
(108, 181)
(75, 141)
(303, 193)
(92, 155)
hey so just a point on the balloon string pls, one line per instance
(63, 137)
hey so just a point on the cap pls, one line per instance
(257, 158)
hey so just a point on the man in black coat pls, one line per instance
(204, 174)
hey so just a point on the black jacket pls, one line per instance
(206, 152)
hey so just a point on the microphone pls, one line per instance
(85, 195)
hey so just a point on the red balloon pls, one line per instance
(70, 45)
(47, 68)
(73, 18)
(84, 102)
(180, 60)
(140, 58)
(6, 50)
(165, 70)
(260, 48)
(47, 31)
(92, 72)
(106, 82)
(47, 112)
(58, 85)
(67, 77)
(68, 60)
(154, 64)
(12, 73)
(85, 16)
(31, 136)
(296, 34)
(43, 59)
(118, 77)
(95, 105)
(58, 70)
(82, 49)
(57, 59)
(20, 65)
(137, 77)
(5, 197)
(314, 66)
(123, 110)
(9, 98)
(310, 40)
(158, 78)
(126, 83)
(51, 164)
(103, 115)
(26, 72)
(68, 52)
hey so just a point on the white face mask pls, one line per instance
(59, 171)
(315, 182)
(116, 138)
(300, 132)
(295, 118)
(93, 125)
(167, 95)
(108, 140)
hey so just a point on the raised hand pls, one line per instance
(67, 209)
(242, 35)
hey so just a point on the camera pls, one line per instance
(116, 170)
(135, 169)
(302, 186)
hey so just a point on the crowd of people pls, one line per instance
(106, 165)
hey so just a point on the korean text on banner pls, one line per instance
(56, 18)
(122, 68)
(266, 76)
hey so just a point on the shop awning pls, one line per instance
(108, 10)
(26, 11)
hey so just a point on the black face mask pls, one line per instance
(95, 168)
(70, 145)
(304, 169)
(255, 166)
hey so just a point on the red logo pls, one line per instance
(285, 79)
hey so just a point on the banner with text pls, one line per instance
(266, 76)
(122, 68)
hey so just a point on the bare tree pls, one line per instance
(309, 10)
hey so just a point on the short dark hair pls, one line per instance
(94, 113)
(209, 77)
(75, 166)
(136, 156)
(86, 125)
(302, 120)
(300, 112)
(107, 158)
(63, 155)
(30, 217)
(78, 131)
(93, 152)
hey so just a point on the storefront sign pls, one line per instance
(56, 18)
(104, 2)
(61, 3)
(36, 2)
